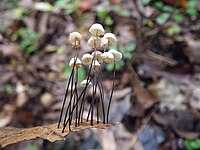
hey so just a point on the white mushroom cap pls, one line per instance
(84, 82)
(111, 37)
(104, 42)
(95, 65)
(97, 56)
(107, 57)
(117, 54)
(97, 29)
(87, 59)
(94, 41)
(75, 39)
(75, 62)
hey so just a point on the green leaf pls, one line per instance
(124, 13)
(119, 64)
(102, 14)
(159, 5)
(8, 89)
(61, 3)
(162, 18)
(131, 47)
(117, 9)
(19, 12)
(108, 21)
(178, 17)
(81, 74)
(24, 43)
(192, 144)
(122, 48)
(32, 147)
(110, 67)
(70, 8)
(174, 30)
(192, 12)
(145, 2)
(31, 49)
(112, 46)
(167, 9)
(192, 3)
(127, 55)
(43, 6)
(67, 70)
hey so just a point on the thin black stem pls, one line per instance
(76, 93)
(65, 97)
(83, 101)
(89, 112)
(78, 101)
(69, 105)
(111, 93)
(93, 99)
(97, 110)
(102, 100)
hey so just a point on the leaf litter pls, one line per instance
(11, 135)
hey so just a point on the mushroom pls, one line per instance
(111, 37)
(87, 59)
(75, 39)
(85, 82)
(75, 62)
(117, 55)
(94, 42)
(107, 57)
(97, 30)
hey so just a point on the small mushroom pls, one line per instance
(97, 30)
(107, 57)
(96, 65)
(75, 39)
(117, 55)
(87, 59)
(97, 55)
(104, 42)
(94, 42)
(84, 82)
(75, 62)
(111, 37)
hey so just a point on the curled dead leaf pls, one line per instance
(11, 135)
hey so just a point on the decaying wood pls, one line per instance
(11, 135)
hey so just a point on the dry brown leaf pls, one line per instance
(11, 135)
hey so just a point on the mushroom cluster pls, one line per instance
(95, 61)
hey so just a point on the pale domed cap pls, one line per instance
(94, 42)
(97, 56)
(75, 62)
(97, 29)
(87, 59)
(75, 38)
(84, 82)
(117, 54)
(111, 37)
(96, 65)
(107, 57)
(104, 42)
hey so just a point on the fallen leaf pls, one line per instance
(11, 135)
(85, 5)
